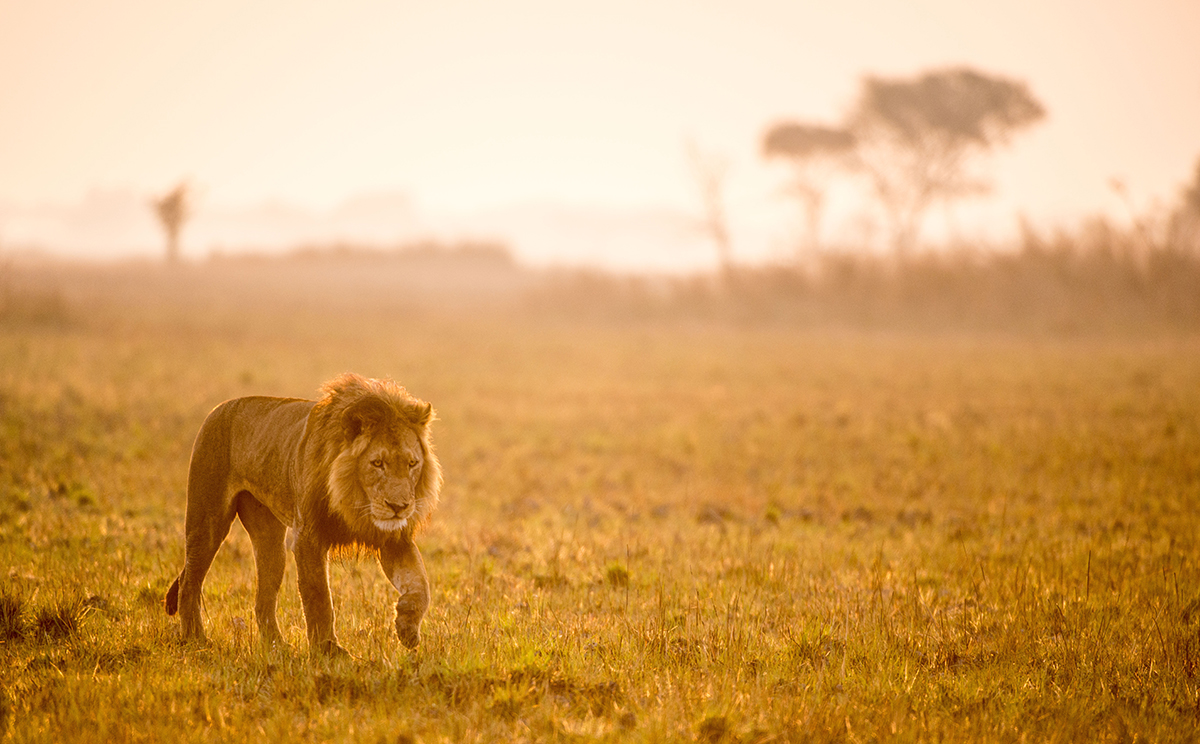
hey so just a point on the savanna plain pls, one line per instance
(650, 530)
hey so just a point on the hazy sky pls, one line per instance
(468, 105)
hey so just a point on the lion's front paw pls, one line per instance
(409, 633)
(410, 609)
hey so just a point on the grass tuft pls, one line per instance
(616, 576)
(713, 730)
(58, 621)
(13, 624)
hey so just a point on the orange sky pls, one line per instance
(468, 105)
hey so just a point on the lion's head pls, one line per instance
(384, 477)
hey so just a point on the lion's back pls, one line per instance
(251, 442)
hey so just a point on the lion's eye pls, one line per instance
(377, 462)
(412, 463)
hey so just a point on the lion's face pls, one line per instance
(389, 473)
(384, 479)
(383, 476)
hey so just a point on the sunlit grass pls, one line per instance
(654, 533)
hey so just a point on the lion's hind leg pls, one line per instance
(201, 549)
(270, 559)
(210, 513)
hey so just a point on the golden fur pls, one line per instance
(354, 468)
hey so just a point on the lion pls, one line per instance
(353, 469)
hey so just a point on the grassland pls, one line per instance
(656, 531)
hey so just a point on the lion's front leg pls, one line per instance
(314, 594)
(402, 564)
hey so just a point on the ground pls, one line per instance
(650, 531)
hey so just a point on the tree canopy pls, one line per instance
(914, 136)
(954, 108)
(802, 141)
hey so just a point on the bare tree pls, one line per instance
(710, 172)
(173, 210)
(914, 138)
(814, 153)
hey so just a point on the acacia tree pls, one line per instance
(814, 153)
(914, 138)
(173, 210)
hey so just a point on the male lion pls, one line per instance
(354, 468)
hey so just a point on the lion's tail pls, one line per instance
(171, 602)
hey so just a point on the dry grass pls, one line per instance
(657, 532)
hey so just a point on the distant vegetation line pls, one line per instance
(1097, 279)
(482, 252)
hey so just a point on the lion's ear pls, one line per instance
(365, 413)
(424, 414)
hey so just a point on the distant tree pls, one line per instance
(814, 153)
(1184, 224)
(1191, 193)
(914, 138)
(173, 210)
(710, 172)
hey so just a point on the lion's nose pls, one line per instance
(397, 508)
